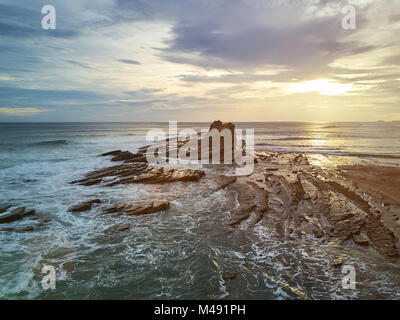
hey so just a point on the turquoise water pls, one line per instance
(181, 253)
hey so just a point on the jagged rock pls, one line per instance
(221, 126)
(5, 208)
(222, 182)
(361, 239)
(252, 201)
(111, 153)
(26, 229)
(139, 209)
(84, 206)
(218, 125)
(381, 238)
(16, 214)
(125, 156)
(118, 228)
(312, 229)
(139, 173)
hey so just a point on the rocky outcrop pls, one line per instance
(138, 172)
(220, 127)
(126, 156)
(16, 214)
(84, 206)
(286, 192)
(361, 239)
(139, 209)
(252, 202)
(299, 199)
(26, 220)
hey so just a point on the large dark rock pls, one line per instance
(219, 125)
(361, 239)
(139, 173)
(16, 214)
(111, 153)
(126, 156)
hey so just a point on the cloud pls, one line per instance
(128, 61)
(392, 60)
(21, 112)
(200, 54)
(17, 22)
(22, 97)
(79, 64)
(308, 44)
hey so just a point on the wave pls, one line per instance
(51, 143)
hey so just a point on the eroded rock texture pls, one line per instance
(299, 199)
(136, 172)
(139, 208)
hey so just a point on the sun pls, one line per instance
(324, 86)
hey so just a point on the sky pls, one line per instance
(199, 60)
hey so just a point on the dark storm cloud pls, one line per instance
(314, 43)
(239, 34)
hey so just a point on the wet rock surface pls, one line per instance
(15, 214)
(139, 209)
(21, 219)
(300, 199)
(84, 206)
(138, 172)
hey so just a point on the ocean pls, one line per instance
(181, 253)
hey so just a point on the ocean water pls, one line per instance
(181, 253)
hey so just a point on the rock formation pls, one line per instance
(285, 192)
(139, 209)
(16, 214)
(84, 206)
